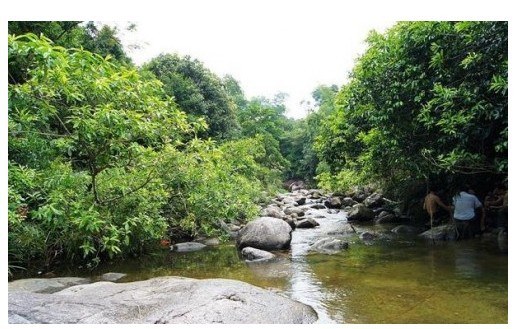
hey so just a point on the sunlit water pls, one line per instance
(395, 279)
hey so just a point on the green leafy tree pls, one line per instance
(264, 118)
(102, 163)
(198, 92)
(99, 39)
(426, 98)
(299, 136)
(235, 92)
(84, 141)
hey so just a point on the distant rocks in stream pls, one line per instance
(329, 245)
(301, 209)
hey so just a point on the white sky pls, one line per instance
(268, 50)
(269, 46)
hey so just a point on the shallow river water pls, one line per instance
(396, 279)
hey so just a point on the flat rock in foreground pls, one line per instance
(159, 300)
(44, 285)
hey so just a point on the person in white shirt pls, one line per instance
(465, 206)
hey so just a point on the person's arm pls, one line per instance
(441, 204)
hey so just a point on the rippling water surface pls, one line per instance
(394, 279)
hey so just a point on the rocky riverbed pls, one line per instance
(276, 247)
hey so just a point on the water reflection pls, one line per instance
(466, 263)
(396, 279)
(304, 285)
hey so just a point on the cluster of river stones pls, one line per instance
(185, 300)
(287, 212)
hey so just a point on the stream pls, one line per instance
(395, 279)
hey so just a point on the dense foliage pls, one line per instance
(99, 39)
(197, 91)
(299, 137)
(427, 99)
(103, 163)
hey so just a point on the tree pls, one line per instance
(233, 89)
(299, 135)
(97, 38)
(102, 163)
(85, 136)
(426, 98)
(197, 91)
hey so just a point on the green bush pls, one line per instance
(99, 166)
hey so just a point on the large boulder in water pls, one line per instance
(158, 300)
(374, 200)
(266, 233)
(360, 212)
(333, 202)
(442, 232)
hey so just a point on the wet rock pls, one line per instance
(273, 211)
(318, 206)
(344, 230)
(385, 217)
(297, 186)
(359, 197)
(405, 229)
(255, 255)
(187, 246)
(443, 232)
(329, 245)
(374, 200)
(367, 236)
(278, 269)
(294, 210)
(45, 286)
(333, 203)
(111, 276)
(348, 202)
(315, 194)
(291, 222)
(307, 223)
(301, 201)
(159, 300)
(266, 233)
(360, 212)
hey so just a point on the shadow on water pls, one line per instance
(397, 279)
